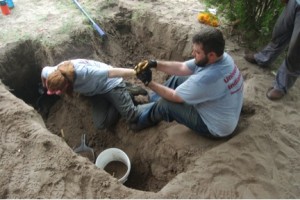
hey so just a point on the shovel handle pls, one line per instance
(83, 140)
(98, 29)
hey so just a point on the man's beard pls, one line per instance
(202, 62)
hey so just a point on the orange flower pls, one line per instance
(215, 23)
(201, 17)
(208, 18)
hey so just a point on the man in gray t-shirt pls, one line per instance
(204, 93)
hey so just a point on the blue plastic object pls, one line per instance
(10, 4)
(98, 29)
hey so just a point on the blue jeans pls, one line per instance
(161, 109)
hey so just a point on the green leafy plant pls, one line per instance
(256, 17)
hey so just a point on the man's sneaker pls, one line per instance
(250, 58)
(275, 94)
(136, 127)
(135, 90)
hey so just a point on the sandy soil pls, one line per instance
(39, 134)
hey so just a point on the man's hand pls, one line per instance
(145, 76)
(285, 1)
(144, 65)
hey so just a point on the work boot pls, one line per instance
(140, 126)
(135, 90)
(250, 58)
(275, 94)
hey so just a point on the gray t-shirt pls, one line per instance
(216, 91)
(91, 77)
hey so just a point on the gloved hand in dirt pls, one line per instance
(145, 76)
(144, 65)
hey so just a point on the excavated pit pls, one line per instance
(20, 68)
(153, 164)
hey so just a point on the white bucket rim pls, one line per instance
(114, 154)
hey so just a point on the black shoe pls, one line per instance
(250, 58)
(135, 127)
(138, 127)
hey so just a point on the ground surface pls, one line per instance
(168, 161)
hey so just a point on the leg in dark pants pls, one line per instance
(104, 114)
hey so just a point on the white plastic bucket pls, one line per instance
(114, 154)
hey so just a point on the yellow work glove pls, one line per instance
(144, 65)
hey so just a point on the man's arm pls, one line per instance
(165, 92)
(120, 72)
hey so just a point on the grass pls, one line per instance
(53, 22)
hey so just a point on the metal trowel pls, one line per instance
(85, 150)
